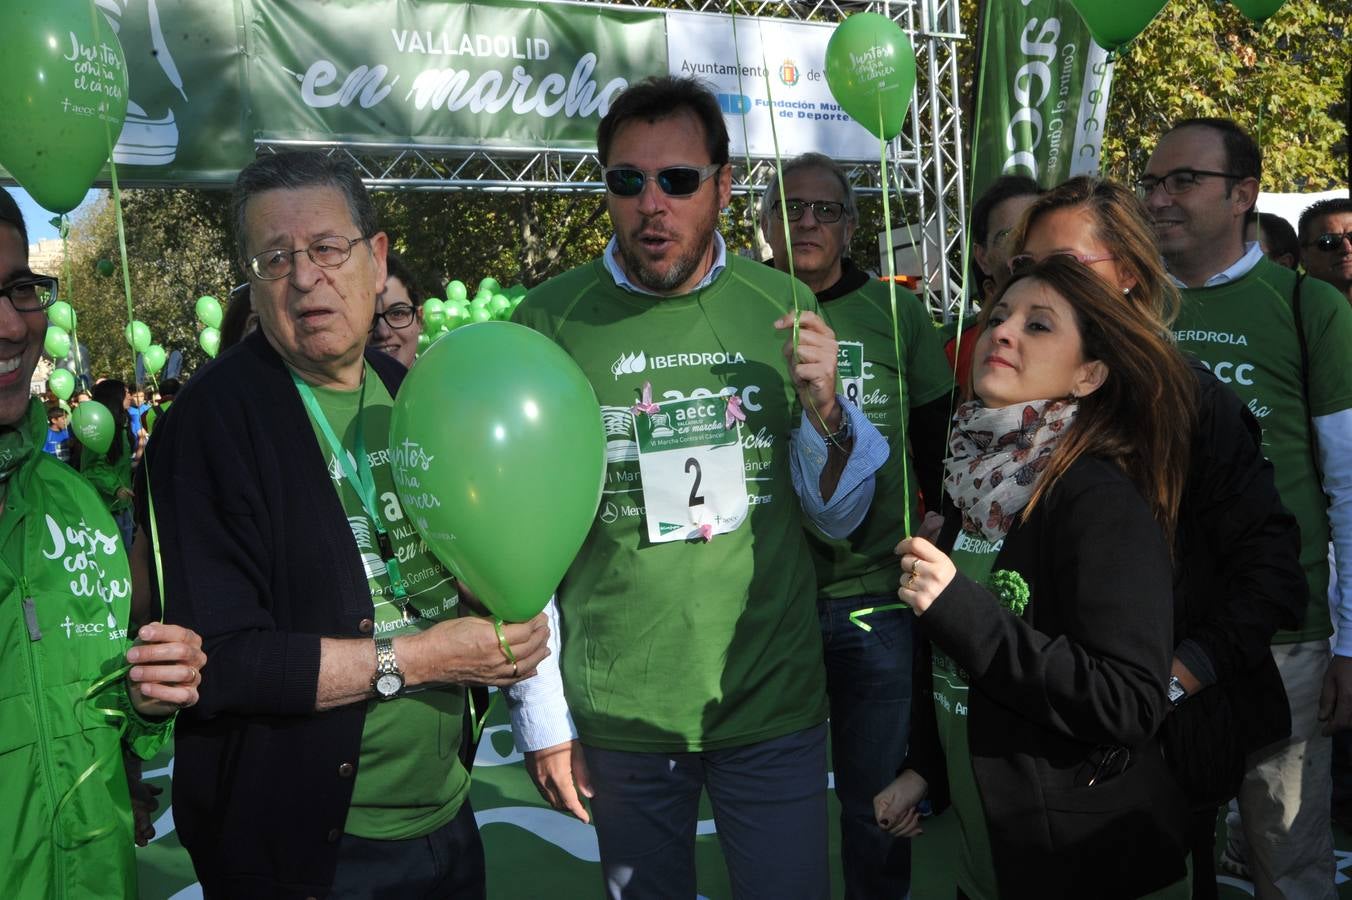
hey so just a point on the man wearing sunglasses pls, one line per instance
(691, 657)
(868, 674)
(1326, 235)
(1282, 344)
(65, 640)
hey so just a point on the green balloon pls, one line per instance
(424, 341)
(499, 304)
(64, 108)
(61, 383)
(516, 290)
(513, 456)
(93, 425)
(489, 286)
(57, 342)
(456, 290)
(870, 68)
(105, 268)
(480, 314)
(210, 341)
(138, 335)
(433, 313)
(154, 358)
(1259, 10)
(62, 314)
(1115, 23)
(209, 311)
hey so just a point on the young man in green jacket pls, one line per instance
(66, 703)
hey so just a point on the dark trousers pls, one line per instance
(868, 681)
(447, 864)
(1201, 838)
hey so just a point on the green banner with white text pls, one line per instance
(1042, 94)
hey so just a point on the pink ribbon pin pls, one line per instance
(734, 411)
(706, 532)
(646, 404)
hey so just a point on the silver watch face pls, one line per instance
(1176, 692)
(388, 684)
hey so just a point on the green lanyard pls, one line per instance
(362, 481)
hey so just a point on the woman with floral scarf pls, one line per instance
(1048, 623)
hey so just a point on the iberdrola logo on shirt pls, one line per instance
(637, 363)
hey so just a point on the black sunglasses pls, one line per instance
(675, 181)
(1331, 242)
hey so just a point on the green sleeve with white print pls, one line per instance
(1245, 332)
(863, 563)
(688, 645)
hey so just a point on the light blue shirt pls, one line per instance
(611, 258)
(1237, 270)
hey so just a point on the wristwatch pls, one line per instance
(1176, 692)
(388, 682)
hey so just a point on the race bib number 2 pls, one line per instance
(692, 469)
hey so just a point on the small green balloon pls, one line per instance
(210, 341)
(480, 314)
(138, 335)
(1259, 10)
(1114, 24)
(209, 311)
(499, 303)
(154, 358)
(57, 342)
(105, 268)
(489, 286)
(60, 313)
(516, 290)
(433, 313)
(870, 69)
(456, 290)
(61, 383)
(93, 425)
(424, 341)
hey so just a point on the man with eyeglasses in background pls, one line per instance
(323, 761)
(868, 673)
(692, 658)
(1326, 235)
(1282, 343)
(398, 320)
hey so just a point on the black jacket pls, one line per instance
(259, 559)
(1085, 667)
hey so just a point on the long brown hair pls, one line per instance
(1122, 225)
(1141, 418)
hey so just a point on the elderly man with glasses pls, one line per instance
(691, 654)
(868, 673)
(1326, 235)
(322, 759)
(1282, 343)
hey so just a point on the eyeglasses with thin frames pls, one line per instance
(401, 315)
(1178, 181)
(31, 293)
(327, 252)
(1331, 241)
(675, 181)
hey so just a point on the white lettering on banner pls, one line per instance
(1032, 82)
(479, 45)
(1212, 337)
(579, 96)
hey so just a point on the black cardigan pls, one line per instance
(1085, 666)
(259, 559)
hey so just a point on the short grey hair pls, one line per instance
(301, 169)
(770, 201)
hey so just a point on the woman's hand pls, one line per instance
(895, 809)
(925, 572)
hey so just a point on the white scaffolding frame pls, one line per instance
(925, 161)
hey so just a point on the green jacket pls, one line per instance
(65, 594)
(108, 477)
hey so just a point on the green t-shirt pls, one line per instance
(410, 780)
(681, 645)
(1245, 332)
(973, 556)
(864, 563)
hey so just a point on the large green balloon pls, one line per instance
(496, 443)
(154, 357)
(1259, 10)
(64, 93)
(57, 342)
(61, 314)
(138, 335)
(61, 383)
(93, 425)
(870, 68)
(209, 312)
(210, 341)
(1115, 22)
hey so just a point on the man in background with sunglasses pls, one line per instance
(691, 657)
(868, 673)
(1326, 235)
(1282, 344)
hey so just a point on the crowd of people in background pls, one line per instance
(1090, 533)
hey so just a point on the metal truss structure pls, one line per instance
(925, 161)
